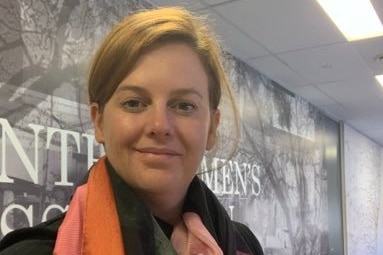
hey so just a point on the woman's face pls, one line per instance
(158, 123)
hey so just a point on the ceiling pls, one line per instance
(295, 44)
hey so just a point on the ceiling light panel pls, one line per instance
(356, 19)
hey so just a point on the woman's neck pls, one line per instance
(166, 206)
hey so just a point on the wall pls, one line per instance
(363, 192)
(380, 214)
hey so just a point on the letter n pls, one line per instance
(7, 132)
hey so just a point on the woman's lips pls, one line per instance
(159, 151)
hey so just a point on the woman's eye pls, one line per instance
(134, 105)
(184, 107)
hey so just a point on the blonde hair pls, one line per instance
(146, 29)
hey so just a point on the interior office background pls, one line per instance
(303, 181)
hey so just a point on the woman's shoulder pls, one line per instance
(37, 240)
(244, 234)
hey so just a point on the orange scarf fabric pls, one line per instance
(91, 225)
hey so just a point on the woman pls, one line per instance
(154, 88)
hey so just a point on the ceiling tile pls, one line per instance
(336, 111)
(282, 25)
(314, 96)
(215, 2)
(369, 50)
(191, 5)
(278, 71)
(233, 39)
(327, 63)
(357, 90)
(367, 108)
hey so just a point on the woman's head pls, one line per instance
(148, 29)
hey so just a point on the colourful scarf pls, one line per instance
(92, 227)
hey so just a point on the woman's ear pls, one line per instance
(95, 114)
(212, 135)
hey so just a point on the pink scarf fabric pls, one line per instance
(91, 225)
(191, 237)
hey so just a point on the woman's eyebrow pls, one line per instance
(132, 88)
(186, 91)
(141, 90)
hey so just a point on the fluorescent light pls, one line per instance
(356, 19)
(379, 78)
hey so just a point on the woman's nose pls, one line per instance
(160, 122)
